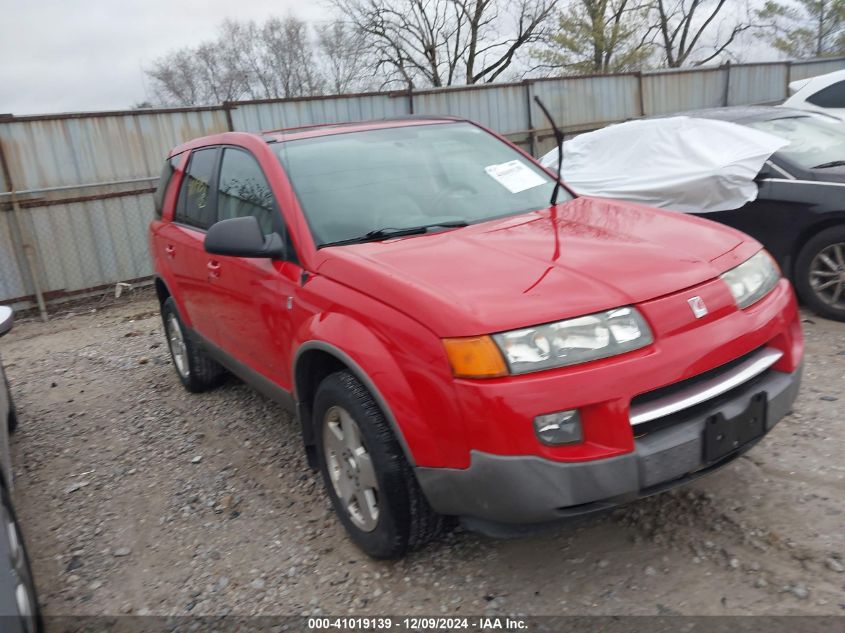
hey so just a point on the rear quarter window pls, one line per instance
(164, 179)
(831, 97)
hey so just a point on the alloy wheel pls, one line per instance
(827, 275)
(178, 350)
(350, 468)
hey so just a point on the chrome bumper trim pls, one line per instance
(707, 389)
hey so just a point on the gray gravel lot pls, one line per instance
(137, 497)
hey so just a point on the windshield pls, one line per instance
(351, 184)
(812, 141)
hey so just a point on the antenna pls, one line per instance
(559, 140)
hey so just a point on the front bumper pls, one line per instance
(530, 489)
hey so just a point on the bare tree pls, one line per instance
(176, 80)
(496, 35)
(343, 53)
(271, 60)
(445, 42)
(219, 71)
(289, 53)
(207, 74)
(804, 28)
(696, 32)
(245, 39)
(598, 36)
(376, 43)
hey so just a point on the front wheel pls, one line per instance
(820, 273)
(371, 485)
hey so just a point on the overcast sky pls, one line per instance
(72, 55)
(77, 55)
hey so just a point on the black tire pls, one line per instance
(20, 567)
(201, 373)
(12, 420)
(804, 266)
(405, 520)
(13, 417)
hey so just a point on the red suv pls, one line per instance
(453, 344)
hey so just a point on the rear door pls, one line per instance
(183, 240)
(256, 297)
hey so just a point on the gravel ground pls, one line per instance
(137, 497)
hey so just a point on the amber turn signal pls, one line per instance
(475, 357)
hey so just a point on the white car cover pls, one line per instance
(680, 163)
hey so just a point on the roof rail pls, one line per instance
(403, 117)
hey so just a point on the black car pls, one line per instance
(799, 213)
(18, 603)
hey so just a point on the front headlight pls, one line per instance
(574, 341)
(753, 279)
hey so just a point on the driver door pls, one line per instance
(256, 297)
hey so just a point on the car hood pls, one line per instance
(579, 257)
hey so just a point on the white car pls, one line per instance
(825, 93)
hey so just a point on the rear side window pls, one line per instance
(163, 181)
(831, 97)
(195, 206)
(243, 190)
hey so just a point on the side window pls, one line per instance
(831, 97)
(163, 181)
(243, 190)
(195, 201)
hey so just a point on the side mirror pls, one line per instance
(243, 237)
(6, 319)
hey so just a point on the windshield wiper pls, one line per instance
(390, 232)
(833, 163)
(559, 139)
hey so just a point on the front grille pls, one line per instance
(651, 426)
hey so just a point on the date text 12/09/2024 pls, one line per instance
(417, 624)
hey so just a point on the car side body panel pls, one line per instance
(786, 214)
(404, 361)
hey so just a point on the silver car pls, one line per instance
(18, 602)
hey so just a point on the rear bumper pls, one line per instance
(530, 489)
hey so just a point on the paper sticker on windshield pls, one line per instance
(515, 176)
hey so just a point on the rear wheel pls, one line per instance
(820, 273)
(371, 485)
(196, 370)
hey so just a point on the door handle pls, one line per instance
(213, 269)
(170, 250)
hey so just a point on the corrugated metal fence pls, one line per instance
(76, 189)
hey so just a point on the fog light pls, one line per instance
(559, 428)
